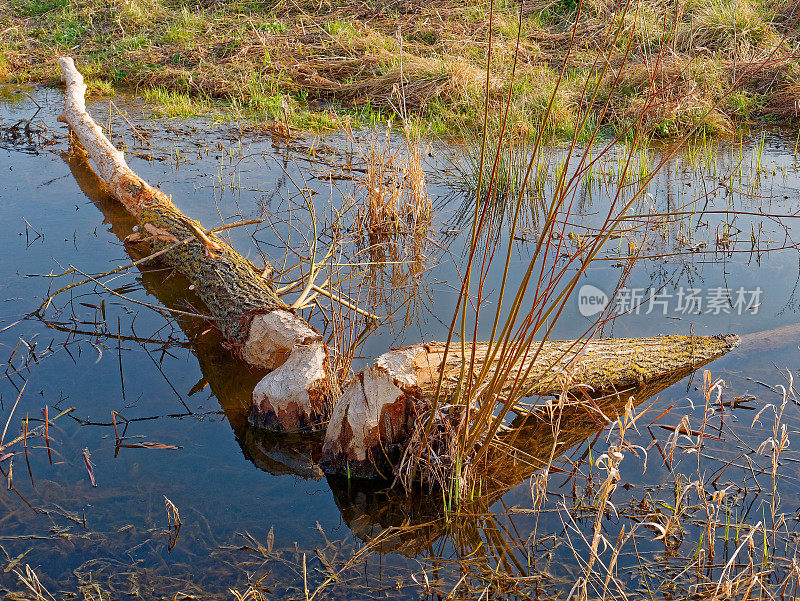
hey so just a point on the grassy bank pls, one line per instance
(311, 61)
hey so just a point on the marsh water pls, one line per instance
(254, 508)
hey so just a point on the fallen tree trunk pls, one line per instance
(376, 414)
(256, 323)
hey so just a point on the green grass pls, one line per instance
(247, 54)
(169, 103)
(34, 8)
(99, 87)
(185, 26)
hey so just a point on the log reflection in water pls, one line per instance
(230, 379)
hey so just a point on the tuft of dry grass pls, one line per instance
(395, 202)
(735, 26)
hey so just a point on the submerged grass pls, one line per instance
(369, 58)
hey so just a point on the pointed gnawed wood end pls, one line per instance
(372, 422)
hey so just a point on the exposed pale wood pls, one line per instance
(255, 322)
(370, 423)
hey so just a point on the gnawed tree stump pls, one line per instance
(371, 422)
(255, 322)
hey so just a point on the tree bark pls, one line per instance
(256, 323)
(371, 423)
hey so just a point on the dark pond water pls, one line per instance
(234, 486)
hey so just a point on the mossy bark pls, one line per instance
(597, 364)
(371, 423)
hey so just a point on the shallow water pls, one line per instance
(230, 482)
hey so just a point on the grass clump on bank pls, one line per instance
(428, 58)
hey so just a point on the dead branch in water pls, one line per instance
(254, 320)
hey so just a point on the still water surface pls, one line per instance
(231, 483)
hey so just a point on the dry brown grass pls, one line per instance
(392, 221)
(778, 82)
(430, 56)
(666, 98)
(394, 197)
(785, 15)
(736, 26)
(414, 83)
